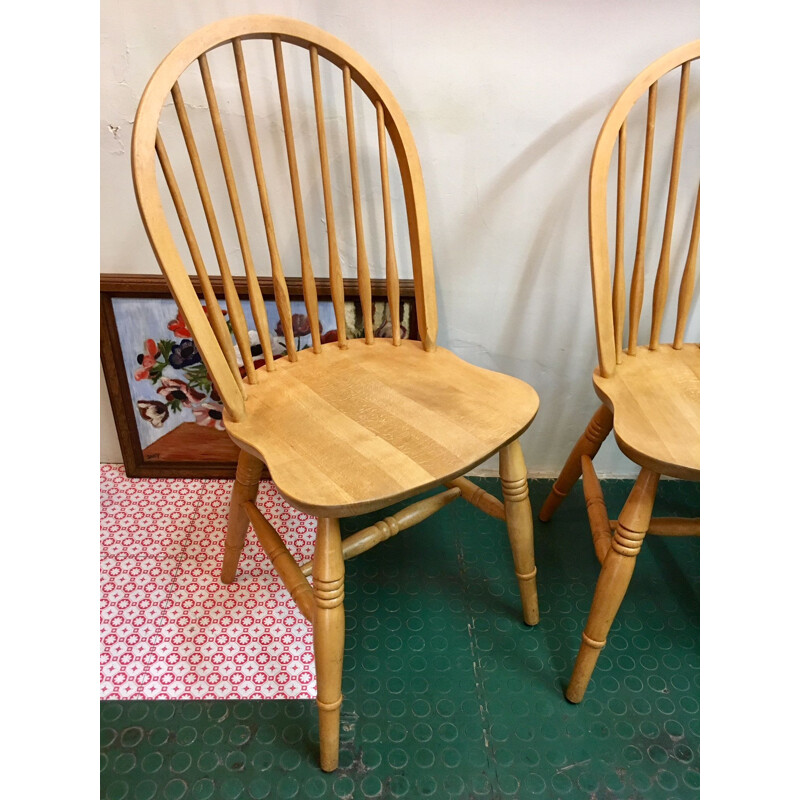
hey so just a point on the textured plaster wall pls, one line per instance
(505, 99)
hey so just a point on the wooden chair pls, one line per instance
(650, 393)
(352, 425)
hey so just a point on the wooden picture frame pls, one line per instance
(187, 450)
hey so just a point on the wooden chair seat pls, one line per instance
(655, 398)
(374, 424)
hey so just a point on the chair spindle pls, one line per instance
(278, 280)
(364, 282)
(637, 278)
(309, 284)
(618, 297)
(235, 311)
(392, 282)
(217, 321)
(662, 274)
(334, 265)
(257, 307)
(687, 281)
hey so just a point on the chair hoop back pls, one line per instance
(610, 297)
(227, 358)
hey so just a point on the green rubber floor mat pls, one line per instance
(448, 694)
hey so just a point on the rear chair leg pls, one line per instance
(328, 575)
(615, 576)
(595, 434)
(519, 521)
(245, 488)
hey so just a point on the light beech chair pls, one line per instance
(349, 426)
(650, 393)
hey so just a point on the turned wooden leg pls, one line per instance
(519, 521)
(245, 488)
(615, 576)
(328, 575)
(588, 445)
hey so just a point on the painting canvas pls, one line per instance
(165, 405)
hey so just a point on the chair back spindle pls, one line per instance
(309, 284)
(392, 281)
(278, 279)
(232, 300)
(687, 280)
(253, 289)
(334, 265)
(364, 282)
(262, 153)
(215, 312)
(618, 300)
(662, 275)
(637, 278)
(610, 291)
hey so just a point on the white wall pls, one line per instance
(505, 99)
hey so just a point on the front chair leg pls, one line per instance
(328, 575)
(615, 576)
(519, 521)
(245, 488)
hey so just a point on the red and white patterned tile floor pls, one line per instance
(168, 628)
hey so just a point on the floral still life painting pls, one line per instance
(178, 412)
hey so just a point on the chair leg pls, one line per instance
(519, 521)
(328, 575)
(615, 576)
(595, 434)
(245, 488)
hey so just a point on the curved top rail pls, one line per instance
(601, 162)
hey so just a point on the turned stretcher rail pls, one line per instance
(368, 537)
(669, 526)
(479, 498)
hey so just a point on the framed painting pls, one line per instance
(167, 414)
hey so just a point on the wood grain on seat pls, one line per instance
(349, 431)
